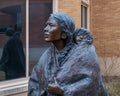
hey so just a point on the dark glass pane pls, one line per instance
(82, 16)
(12, 39)
(85, 17)
(39, 13)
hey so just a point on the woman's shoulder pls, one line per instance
(45, 56)
(85, 52)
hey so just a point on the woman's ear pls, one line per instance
(63, 36)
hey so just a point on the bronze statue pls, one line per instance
(65, 69)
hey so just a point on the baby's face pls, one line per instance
(79, 38)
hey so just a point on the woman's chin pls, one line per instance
(47, 40)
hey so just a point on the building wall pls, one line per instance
(71, 7)
(105, 26)
(104, 22)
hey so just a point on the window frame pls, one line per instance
(86, 3)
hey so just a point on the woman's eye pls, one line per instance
(51, 24)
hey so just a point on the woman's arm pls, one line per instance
(33, 85)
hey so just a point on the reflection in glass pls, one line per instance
(12, 44)
(84, 16)
(37, 20)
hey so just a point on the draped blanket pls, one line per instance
(78, 74)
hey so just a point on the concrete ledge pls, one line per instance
(13, 86)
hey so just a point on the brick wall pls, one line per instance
(71, 7)
(105, 26)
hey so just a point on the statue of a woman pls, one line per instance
(65, 69)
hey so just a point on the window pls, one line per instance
(12, 45)
(84, 16)
(37, 45)
(21, 17)
(84, 13)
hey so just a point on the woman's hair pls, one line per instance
(66, 24)
(87, 37)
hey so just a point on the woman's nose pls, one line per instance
(46, 28)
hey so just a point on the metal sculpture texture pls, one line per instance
(66, 68)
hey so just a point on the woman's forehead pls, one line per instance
(51, 20)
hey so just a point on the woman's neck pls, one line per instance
(59, 44)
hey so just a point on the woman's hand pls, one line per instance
(55, 88)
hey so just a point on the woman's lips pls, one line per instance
(46, 35)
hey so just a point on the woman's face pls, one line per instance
(52, 32)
